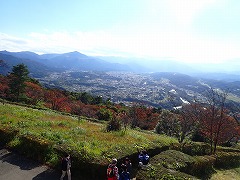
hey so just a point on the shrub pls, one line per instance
(227, 159)
(34, 147)
(7, 134)
(196, 149)
(202, 166)
(114, 125)
(177, 161)
(105, 114)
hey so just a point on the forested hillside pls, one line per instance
(210, 122)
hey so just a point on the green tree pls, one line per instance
(168, 124)
(114, 125)
(86, 98)
(18, 77)
(104, 114)
(182, 124)
(98, 100)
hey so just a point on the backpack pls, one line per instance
(110, 172)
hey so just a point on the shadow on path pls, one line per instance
(17, 160)
(49, 174)
(17, 167)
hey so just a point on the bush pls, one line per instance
(227, 159)
(6, 135)
(172, 160)
(114, 125)
(202, 166)
(34, 147)
(196, 149)
(176, 160)
(105, 114)
(158, 172)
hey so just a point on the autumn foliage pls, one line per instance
(211, 119)
(34, 92)
(82, 104)
(4, 88)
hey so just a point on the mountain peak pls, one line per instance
(74, 54)
(27, 52)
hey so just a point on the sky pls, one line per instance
(183, 30)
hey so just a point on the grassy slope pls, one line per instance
(88, 138)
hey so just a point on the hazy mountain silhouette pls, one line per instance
(66, 61)
(39, 65)
(36, 69)
(78, 61)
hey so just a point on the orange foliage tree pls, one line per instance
(4, 88)
(56, 100)
(215, 122)
(35, 92)
(218, 127)
(143, 117)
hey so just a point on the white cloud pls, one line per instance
(180, 12)
(162, 30)
(186, 10)
(177, 45)
(11, 43)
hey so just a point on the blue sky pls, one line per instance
(182, 30)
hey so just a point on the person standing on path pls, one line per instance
(124, 175)
(66, 165)
(143, 158)
(112, 170)
(128, 164)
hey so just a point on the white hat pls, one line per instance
(114, 161)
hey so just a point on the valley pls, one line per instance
(166, 89)
(100, 81)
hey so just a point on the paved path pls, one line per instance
(15, 167)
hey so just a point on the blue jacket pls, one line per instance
(144, 158)
(124, 176)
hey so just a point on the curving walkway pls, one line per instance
(16, 167)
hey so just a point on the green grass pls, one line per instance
(178, 165)
(89, 139)
(45, 135)
(227, 174)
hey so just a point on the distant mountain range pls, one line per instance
(122, 82)
(36, 68)
(42, 65)
(227, 71)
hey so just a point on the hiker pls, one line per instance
(128, 164)
(112, 170)
(66, 164)
(143, 158)
(124, 175)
